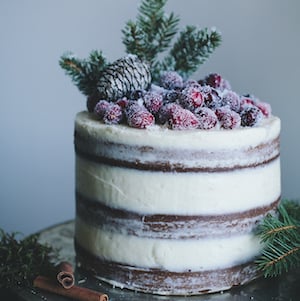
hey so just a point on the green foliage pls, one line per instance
(152, 34)
(85, 73)
(22, 260)
(281, 238)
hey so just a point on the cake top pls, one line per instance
(141, 90)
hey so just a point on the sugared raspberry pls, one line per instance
(138, 116)
(171, 80)
(251, 115)
(191, 98)
(265, 108)
(207, 118)
(228, 119)
(101, 107)
(231, 100)
(153, 102)
(182, 119)
(113, 114)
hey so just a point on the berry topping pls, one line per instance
(212, 99)
(231, 100)
(138, 116)
(228, 119)
(171, 80)
(153, 102)
(265, 108)
(251, 115)
(113, 114)
(213, 80)
(191, 98)
(166, 111)
(182, 119)
(207, 118)
(101, 107)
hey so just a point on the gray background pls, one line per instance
(259, 54)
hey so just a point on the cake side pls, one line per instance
(175, 228)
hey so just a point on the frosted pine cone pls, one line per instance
(124, 76)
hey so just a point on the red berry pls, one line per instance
(153, 102)
(182, 119)
(101, 107)
(166, 111)
(171, 80)
(113, 114)
(138, 116)
(231, 100)
(191, 98)
(228, 119)
(251, 116)
(207, 118)
(265, 108)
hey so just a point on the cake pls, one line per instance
(174, 212)
(173, 174)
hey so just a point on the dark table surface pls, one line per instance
(284, 288)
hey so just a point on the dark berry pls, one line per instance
(231, 100)
(228, 119)
(171, 80)
(138, 116)
(171, 96)
(153, 102)
(212, 99)
(182, 119)
(101, 107)
(214, 80)
(113, 114)
(122, 102)
(136, 94)
(191, 98)
(251, 115)
(207, 118)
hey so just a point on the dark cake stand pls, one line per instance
(285, 288)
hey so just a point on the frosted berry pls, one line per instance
(207, 118)
(153, 102)
(212, 99)
(171, 96)
(228, 119)
(265, 108)
(214, 80)
(138, 116)
(171, 80)
(182, 119)
(191, 98)
(165, 112)
(101, 107)
(136, 94)
(231, 100)
(123, 102)
(251, 115)
(113, 114)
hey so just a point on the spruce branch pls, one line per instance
(85, 73)
(281, 238)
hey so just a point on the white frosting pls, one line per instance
(172, 255)
(149, 192)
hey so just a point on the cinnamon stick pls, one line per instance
(65, 275)
(75, 292)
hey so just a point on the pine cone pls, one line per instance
(124, 76)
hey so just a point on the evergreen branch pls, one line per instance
(85, 74)
(281, 238)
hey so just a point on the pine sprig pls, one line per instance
(281, 238)
(152, 32)
(21, 260)
(85, 73)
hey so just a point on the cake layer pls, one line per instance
(164, 282)
(200, 193)
(176, 255)
(159, 149)
(161, 226)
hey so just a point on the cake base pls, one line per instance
(164, 282)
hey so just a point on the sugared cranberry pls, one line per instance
(138, 116)
(228, 119)
(251, 115)
(171, 80)
(213, 80)
(265, 108)
(212, 99)
(101, 107)
(182, 119)
(207, 118)
(113, 114)
(166, 111)
(153, 102)
(191, 98)
(231, 100)
(122, 102)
